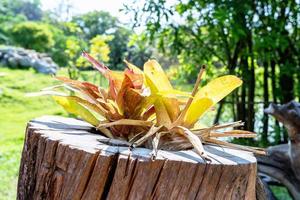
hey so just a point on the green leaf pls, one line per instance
(73, 107)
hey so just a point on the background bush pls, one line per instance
(33, 35)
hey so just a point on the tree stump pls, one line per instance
(63, 158)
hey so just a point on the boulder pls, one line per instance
(16, 57)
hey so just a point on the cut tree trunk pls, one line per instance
(63, 158)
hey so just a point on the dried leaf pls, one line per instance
(255, 150)
(151, 132)
(127, 122)
(233, 133)
(195, 141)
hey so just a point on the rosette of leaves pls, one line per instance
(142, 108)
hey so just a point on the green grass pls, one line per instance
(281, 193)
(15, 111)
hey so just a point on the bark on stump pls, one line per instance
(63, 159)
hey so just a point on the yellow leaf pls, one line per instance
(162, 115)
(174, 93)
(156, 78)
(209, 95)
(172, 107)
(196, 110)
(73, 107)
(219, 88)
(167, 109)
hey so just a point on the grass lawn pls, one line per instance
(16, 110)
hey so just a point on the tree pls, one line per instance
(118, 47)
(98, 48)
(234, 34)
(100, 23)
(138, 50)
(7, 20)
(63, 31)
(31, 9)
(96, 23)
(32, 35)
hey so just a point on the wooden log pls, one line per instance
(63, 158)
(281, 166)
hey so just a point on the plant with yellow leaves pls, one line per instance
(141, 106)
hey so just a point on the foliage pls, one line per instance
(98, 48)
(32, 35)
(127, 112)
(138, 50)
(102, 23)
(30, 9)
(96, 23)
(72, 51)
(238, 37)
(7, 20)
(118, 47)
(56, 33)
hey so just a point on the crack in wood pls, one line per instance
(218, 182)
(157, 179)
(110, 177)
(91, 170)
(132, 176)
(201, 182)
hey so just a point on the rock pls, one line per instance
(26, 61)
(23, 58)
(43, 67)
(13, 62)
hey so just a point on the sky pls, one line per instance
(83, 6)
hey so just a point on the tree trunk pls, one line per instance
(287, 85)
(266, 103)
(275, 96)
(298, 87)
(219, 112)
(63, 159)
(245, 75)
(251, 91)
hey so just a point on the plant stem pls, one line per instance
(189, 102)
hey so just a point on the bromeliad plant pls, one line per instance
(142, 108)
